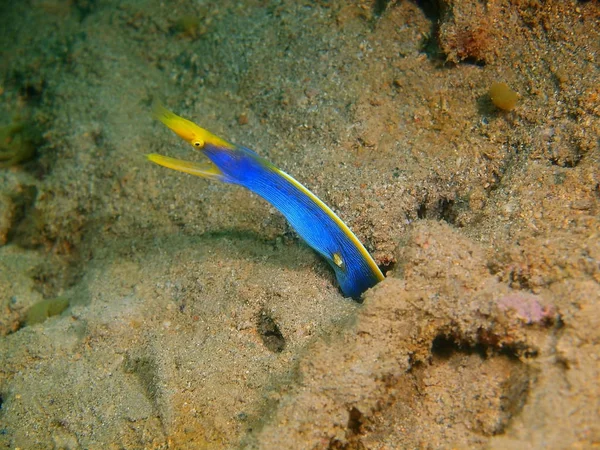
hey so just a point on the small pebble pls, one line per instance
(503, 96)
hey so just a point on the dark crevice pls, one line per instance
(269, 333)
(487, 344)
(431, 9)
(380, 6)
(567, 163)
(471, 60)
(355, 421)
(84, 8)
(519, 279)
(511, 392)
(444, 346)
(422, 211)
(31, 92)
(445, 209)
(387, 266)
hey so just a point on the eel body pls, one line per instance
(313, 220)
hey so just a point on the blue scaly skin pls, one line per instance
(314, 221)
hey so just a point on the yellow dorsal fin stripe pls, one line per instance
(338, 221)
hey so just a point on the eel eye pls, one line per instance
(198, 144)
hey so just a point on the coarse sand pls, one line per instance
(197, 319)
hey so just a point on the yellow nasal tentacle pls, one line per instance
(186, 130)
(205, 170)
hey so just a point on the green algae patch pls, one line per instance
(18, 142)
(503, 96)
(39, 312)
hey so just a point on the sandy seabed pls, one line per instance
(197, 319)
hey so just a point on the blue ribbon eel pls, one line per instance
(313, 220)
